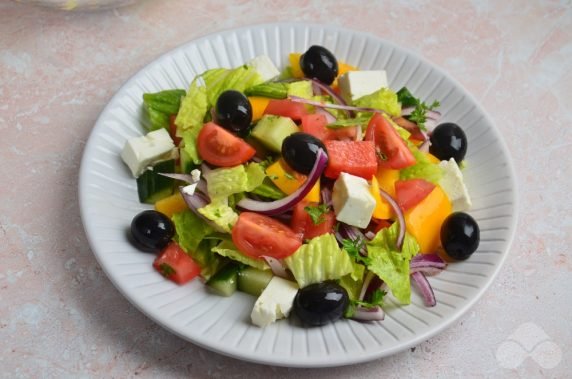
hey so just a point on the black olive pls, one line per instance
(448, 141)
(151, 230)
(460, 235)
(233, 111)
(319, 63)
(320, 303)
(299, 150)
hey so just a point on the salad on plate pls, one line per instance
(320, 190)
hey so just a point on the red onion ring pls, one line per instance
(329, 117)
(368, 314)
(400, 218)
(297, 99)
(428, 264)
(423, 284)
(277, 207)
(196, 201)
(277, 267)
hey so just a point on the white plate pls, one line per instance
(108, 201)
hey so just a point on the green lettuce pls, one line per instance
(384, 99)
(219, 80)
(219, 212)
(224, 182)
(161, 105)
(320, 259)
(269, 190)
(227, 249)
(193, 237)
(193, 108)
(422, 169)
(273, 90)
(302, 88)
(189, 144)
(390, 265)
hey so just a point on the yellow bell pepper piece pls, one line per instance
(171, 205)
(258, 104)
(382, 209)
(289, 180)
(425, 219)
(432, 158)
(342, 69)
(386, 179)
(295, 65)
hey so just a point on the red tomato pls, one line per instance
(315, 124)
(354, 157)
(286, 108)
(173, 263)
(256, 235)
(173, 129)
(389, 144)
(410, 192)
(411, 127)
(220, 147)
(381, 224)
(303, 225)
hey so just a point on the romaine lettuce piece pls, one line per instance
(224, 182)
(219, 212)
(422, 169)
(390, 265)
(320, 259)
(227, 249)
(384, 99)
(193, 108)
(193, 237)
(219, 80)
(161, 105)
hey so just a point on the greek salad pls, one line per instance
(319, 189)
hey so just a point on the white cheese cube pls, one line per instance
(140, 152)
(196, 175)
(454, 186)
(352, 201)
(275, 302)
(264, 66)
(355, 84)
(190, 189)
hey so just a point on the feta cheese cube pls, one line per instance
(196, 175)
(140, 152)
(355, 84)
(275, 302)
(353, 202)
(190, 189)
(454, 186)
(266, 69)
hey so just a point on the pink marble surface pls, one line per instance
(61, 317)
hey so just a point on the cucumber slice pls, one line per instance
(153, 187)
(272, 130)
(224, 282)
(253, 281)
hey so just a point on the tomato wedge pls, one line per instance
(354, 157)
(257, 235)
(391, 149)
(411, 192)
(220, 147)
(286, 108)
(303, 225)
(174, 264)
(316, 125)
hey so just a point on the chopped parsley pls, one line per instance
(353, 247)
(166, 270)
(419, 114)
(317, 213)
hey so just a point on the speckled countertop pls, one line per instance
(61, 317)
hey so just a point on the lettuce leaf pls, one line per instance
(390, 265)
(219, 212)
(320, 259)
(384, 99)
(192, 236)
(193, 108)
(219, 80)
(161, 105)
(224, 182)
(269, 190)
(422, 169)
(227, 249)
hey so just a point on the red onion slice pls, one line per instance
(424, 147)
(328, 90)
(183, 177)
(277, 267)
(367, 280)
(329, 117)
(368, 314)
(369, 235)
(400, 218)
(428, 264)
(326, 196)
(277, 207)
(196, 201)
(423, 284)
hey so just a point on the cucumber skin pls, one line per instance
(152, 187)
(253, 281)
(225, 281)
